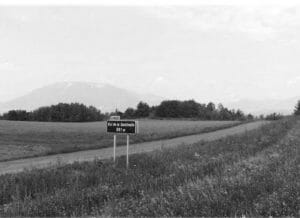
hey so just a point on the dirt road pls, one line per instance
(105, 153)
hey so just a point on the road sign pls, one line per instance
(122, 126)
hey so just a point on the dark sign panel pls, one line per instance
(122, 126)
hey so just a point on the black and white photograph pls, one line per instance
(158, 108)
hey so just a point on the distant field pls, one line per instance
(27, 139)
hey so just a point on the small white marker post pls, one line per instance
(115, 144)
(127, 157)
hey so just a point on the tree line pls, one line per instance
(185, 109)
(61, 112)
(76, 112)
(278, 116)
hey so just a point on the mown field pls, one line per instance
(28, 139)
(253, 174)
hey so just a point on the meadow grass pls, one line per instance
(254, 174)
(28, 139)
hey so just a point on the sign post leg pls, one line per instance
(115, 144)
(127, 156)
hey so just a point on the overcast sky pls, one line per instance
(218, 53)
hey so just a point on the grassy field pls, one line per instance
(253, 174)
(27, 139)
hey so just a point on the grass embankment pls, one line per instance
(31, 139)
(256, 173)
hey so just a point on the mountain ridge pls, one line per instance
(108, 98)
(104, 96)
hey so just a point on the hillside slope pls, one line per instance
(103, 96)
(265, 106)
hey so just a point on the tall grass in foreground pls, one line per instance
(252, 174)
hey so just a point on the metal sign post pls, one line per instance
(115, 145)
(127, 153)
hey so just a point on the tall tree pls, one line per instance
(297, 108)
(142, 110)
(129, 113)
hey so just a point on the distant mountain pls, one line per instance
(103, 96)
(265, 106)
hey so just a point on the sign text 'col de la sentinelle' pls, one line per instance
(122, 126)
